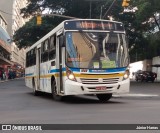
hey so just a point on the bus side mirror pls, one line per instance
(61, 41)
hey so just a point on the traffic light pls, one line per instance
(39, 20)
(125, 3)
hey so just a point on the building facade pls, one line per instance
(5, 49)
(10, 9)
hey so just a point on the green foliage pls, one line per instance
(139, 41)
(154, 44)
(31, 32)
(142, 41)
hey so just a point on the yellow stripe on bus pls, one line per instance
(98, 75)
(30, 77)
(46, 76)
(82, 75)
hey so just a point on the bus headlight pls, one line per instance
(126, 75)
(70, 75)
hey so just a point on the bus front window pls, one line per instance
(96, 50)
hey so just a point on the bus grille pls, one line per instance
(100, 81)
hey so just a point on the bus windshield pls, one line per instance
(96, 50)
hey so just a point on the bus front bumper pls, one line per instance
(75, 88)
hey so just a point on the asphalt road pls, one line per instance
(19, 106)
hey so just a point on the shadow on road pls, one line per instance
(80, 99)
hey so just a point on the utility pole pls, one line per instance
(109, 9)
(101, 11)
(90, 11)
(90, 6)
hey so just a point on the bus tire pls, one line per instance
(104, 97)
(54, 91)
(35, 92)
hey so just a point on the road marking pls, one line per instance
(136, 95)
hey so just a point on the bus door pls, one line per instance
(60, 61)
(38, 67)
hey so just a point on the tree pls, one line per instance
(139, 29)
(136, 23)
(31, 32)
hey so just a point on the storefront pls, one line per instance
(17, 69)
(5, 53)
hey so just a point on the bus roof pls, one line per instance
(93, 24)
(82, 24)
(92, 20)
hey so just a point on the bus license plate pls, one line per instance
(101, 88)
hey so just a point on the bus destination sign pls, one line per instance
(93, 25)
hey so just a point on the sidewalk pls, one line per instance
(2, 81)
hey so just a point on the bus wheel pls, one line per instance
(54, 92)
(104, 97)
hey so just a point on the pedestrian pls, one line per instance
(10, 75)
(4, 75)
(14, 74)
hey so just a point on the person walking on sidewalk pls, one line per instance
(4, 75)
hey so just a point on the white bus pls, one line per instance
(80, 56)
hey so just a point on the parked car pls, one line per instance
(145, 76)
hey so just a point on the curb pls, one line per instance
(2, 81)
(136, 95)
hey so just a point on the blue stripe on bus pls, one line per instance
(108, 70)
(29, 74)
(56, 70)
(75, 69)
(90, 70)
(100, 70)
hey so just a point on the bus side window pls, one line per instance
(52, 51)
(34, 56)
(46, 49)
(31, 58)
(27, 59)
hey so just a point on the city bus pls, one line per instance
(80, 57)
